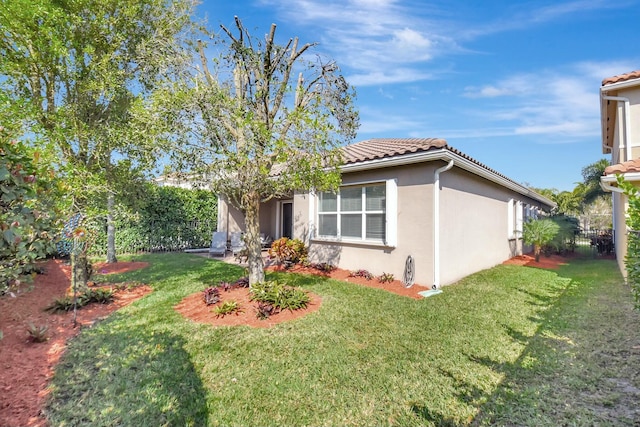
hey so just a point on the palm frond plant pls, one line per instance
(539, 232)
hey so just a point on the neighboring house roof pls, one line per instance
(631, 166)
(383, 152)
(621, 78)
(630, 170)
(608, 108)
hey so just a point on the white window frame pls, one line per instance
(510, 220)
(390, 213)
(519, 219)
(515, 218)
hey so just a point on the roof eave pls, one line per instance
(628, 176)
(608, 113)
(446, 155)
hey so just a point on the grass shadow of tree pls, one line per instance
(134, 377)
(553, 381)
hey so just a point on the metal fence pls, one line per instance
(156, 237)
(595, 242)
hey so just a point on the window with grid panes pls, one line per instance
(354, 213)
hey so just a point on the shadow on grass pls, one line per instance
(555, 378)
(296, 279)
(537, 388)
(134, 377)
(436, 419)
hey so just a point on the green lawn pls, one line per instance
(510, 345)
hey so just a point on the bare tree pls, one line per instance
(265, 120)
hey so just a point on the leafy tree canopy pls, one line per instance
(264, 120)
(27, 210)
(79, 73)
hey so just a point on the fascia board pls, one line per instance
(629, 176)
(620, 85)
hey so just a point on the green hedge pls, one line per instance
(163, 219)
(632, 260)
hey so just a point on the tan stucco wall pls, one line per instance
(229, 218)
(473, 225)
(473, 236)
(618, 156)
(268, 218)
(634, 101)
(414, 228)
(301, 217)
(474, 230)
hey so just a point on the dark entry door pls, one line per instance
(287, 220)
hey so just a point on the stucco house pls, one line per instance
(401, 198)
(620, 119)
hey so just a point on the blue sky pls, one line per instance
(512, 84)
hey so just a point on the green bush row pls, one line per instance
(162, 219)
(632, 260)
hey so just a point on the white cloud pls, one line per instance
(378, 41)
(381, 76)
(560, 10)
(371, 39)
(562, 102)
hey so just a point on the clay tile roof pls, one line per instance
(621, 78)
(625, 167)
(380, 148)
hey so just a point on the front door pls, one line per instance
(287, 219)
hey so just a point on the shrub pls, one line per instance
(225, 286)
(565, 240)
(211, 295)
(323, 267)
(28, 216)
(539, 232)
(288, 251)
(100, 296)
(385, 278)
(165, 218)
(282, 297)
(632, 259)
(64, 303)
(242, 282)
(361, 273)
(227, 307)
(37, 333)
(264, 310)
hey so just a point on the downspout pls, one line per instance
(436, 223)
(627, 124)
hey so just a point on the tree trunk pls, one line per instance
(536, 252)
(252, 241)
(111, 230)
(81, 271)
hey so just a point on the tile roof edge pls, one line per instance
(632, 75)
(447, 147)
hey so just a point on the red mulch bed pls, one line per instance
(396, 286)
(192, 307)
(26, 367)
(551, 262)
